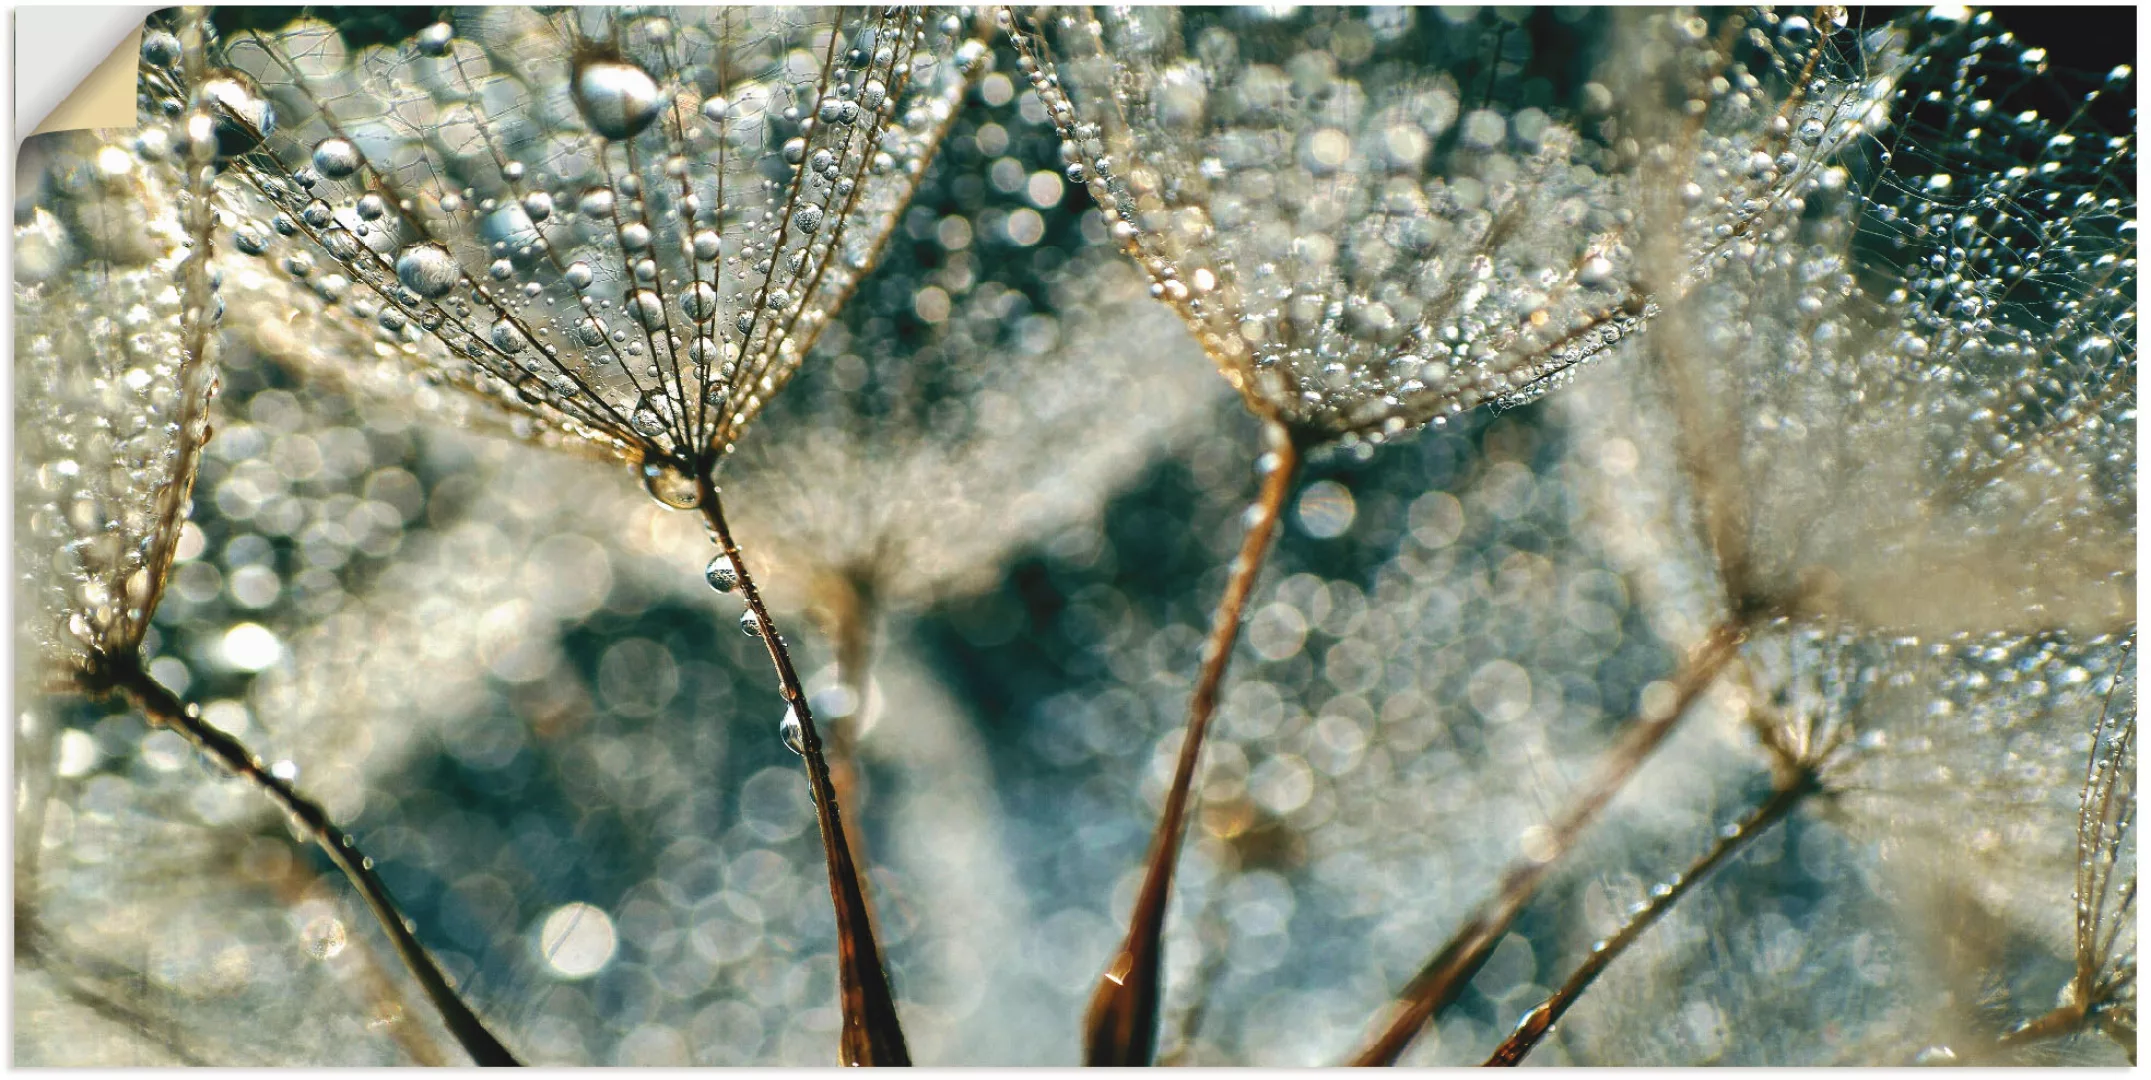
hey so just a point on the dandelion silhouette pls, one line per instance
(624, 230)
(110, 462)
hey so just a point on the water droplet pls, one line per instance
(750, 625)
(700, 302)
(160, 49)
(671, 486)
(720, 574)
(433, 40)
(428, 270)
(335, 158)
(789, 729)
(617, 99)
(579, 275)
(507, 337)
(596, 202)
(647, 308)
(809, 218)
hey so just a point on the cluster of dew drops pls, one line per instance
(724, 577)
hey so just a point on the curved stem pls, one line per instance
(1541, 1019)
(871, 1034)
(1121, 1025)
(164, 708)
(1443, 978)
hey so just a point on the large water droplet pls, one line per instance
(618, 100)
(720, 574)
(508, 338)
(700, 302)
(161, 49)
(433, 40)
(750, 624)
(428, 270)
(671, 486)
(794, 735)
(335, 158)
(647, 308)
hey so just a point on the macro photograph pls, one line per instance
(1288, 536)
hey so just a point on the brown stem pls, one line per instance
(871, 1034)
(1121, 1025)
(1443, 978)
(164, 708)
(1541, 1019)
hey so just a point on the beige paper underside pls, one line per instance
(106, 98)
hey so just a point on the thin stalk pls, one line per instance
(1540, 1020)
(871, 1034)
(1121, 1025)
(299, 881)
(1445, 975)
(164, 708)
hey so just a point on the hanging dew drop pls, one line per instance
(670, 486)
(433, 40)
(647, 308)
(428, 270)
(792, 732)
(720, 574)
(335, 158)
(699, 303)
(617, 100)
(750, 624)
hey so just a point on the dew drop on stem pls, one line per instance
(721, 575)
(789, 730)
(670, 485)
